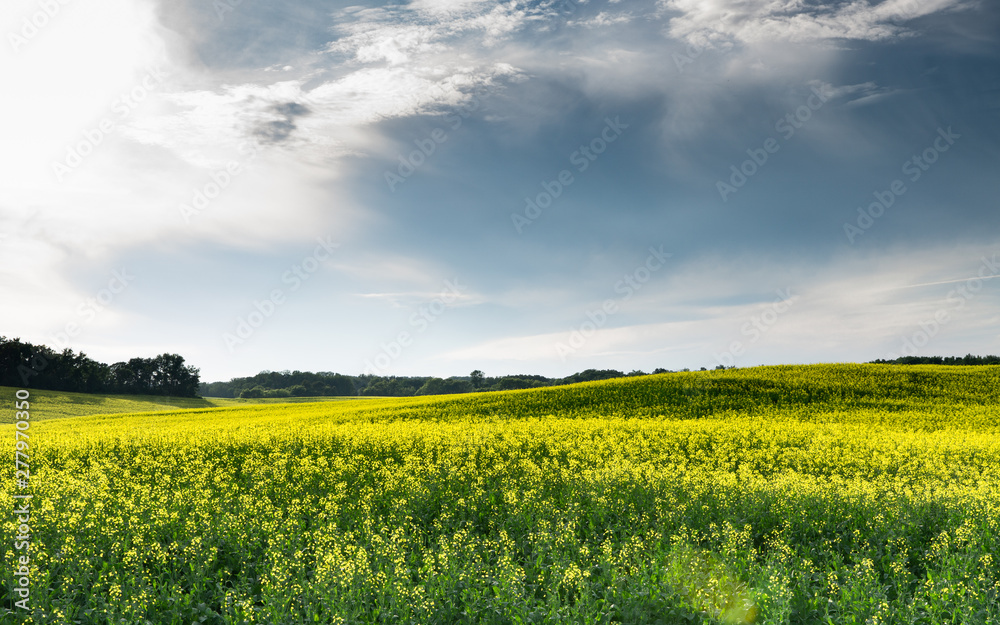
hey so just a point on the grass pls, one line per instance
(227, 401)
(61, 404)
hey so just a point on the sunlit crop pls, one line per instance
(843, 494)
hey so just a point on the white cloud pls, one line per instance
(401, 35)
(53, 90)
(761, 21)
(318, 124)
(603, 20)
(412, 299)
(446, 6)
(163, 152)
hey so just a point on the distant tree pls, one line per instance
(968, 359)
(433, 386)
(661, 370)
(24, 364)
(16, 366)
(126, 377)
(589, 375)
(171, 377)
(340, 385)
(298, 391)
(252, 393)
(513, 382)
(142, 372)
(477, 378)
(95, 376)
(438, 386)
(388, 387)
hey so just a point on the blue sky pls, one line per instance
(431, 187)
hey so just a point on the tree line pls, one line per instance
(306, 384)
(968, 359)
(39, 367)
(282, 384)
(324, 383)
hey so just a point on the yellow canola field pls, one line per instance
(820, 494)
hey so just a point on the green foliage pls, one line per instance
(296, 383)
(514, 382)
(438, 386)
(968, 359)
(36, 366)
(477, 378)
(389, 387)
(333, 384)
(253, 392)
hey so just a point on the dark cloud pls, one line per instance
(278, 130)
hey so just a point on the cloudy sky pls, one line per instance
(436, 186)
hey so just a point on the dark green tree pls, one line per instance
(438, 386)
(477, 378)
(255, 392)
